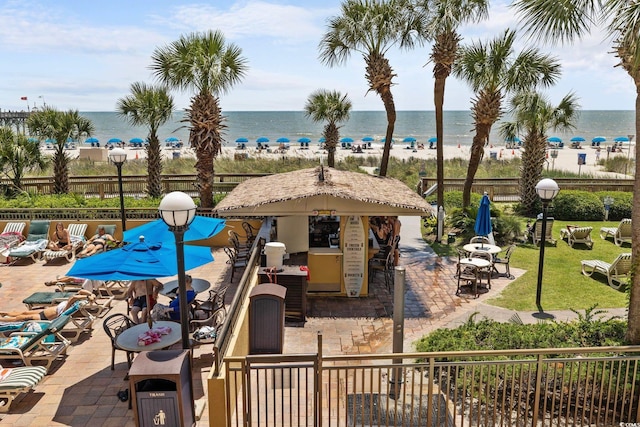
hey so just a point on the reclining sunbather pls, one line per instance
(96, 243)
(48, 313)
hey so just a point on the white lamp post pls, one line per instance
(118, 156)
(178, 210)
(547, 190)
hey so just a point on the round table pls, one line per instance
(170, 289)
(482, 247)
(476, 262)
(128, 339)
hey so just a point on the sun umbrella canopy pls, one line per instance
(346, 139)
(114, 140)
(202, 227)
(137, 140)
(554, 139)
(304, 139)
(368, 139)
(409, 139)
(91, 140)
(514, 139)
(433, 139)
(172, 139)
(282, 139)
(621, 139)
(50, 141)
(138, 261)
(599, 139)
(322, 140)
(483, 225)
(578, 139)
(262, 139)
(241, 140)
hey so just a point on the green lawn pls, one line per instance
(563, 285)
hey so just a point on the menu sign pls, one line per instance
(353, 259)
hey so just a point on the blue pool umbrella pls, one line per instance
(621, 139)
(578, 139)
(262, 139)
(202, 227)
(304, 139)
(483, 226)
(599, 139)
(241, 140)
(138, 261)
(409, 139)
(114, 140)
(554, 139)
(368, 139)
(346, 139)
(136, 140)
(172, 139)
(91, 140)
(433, 139)
(282, 139)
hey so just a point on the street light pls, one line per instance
(547, 190)
(178, 210)
(118, 156)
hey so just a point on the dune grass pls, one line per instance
(563, 285)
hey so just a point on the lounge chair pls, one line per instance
(46, 345)
(620, 234)
(34, 244)
(617, 272)
(76, 231)
(99, 306)
(11, 235)
(15, 381)
(536, 232)
(575, 235)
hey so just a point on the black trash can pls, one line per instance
(161, 389)
(266, 319)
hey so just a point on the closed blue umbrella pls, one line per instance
(202, 227)
(139, 261)
(483, 225)
(262, 139)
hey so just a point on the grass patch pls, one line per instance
(564, 287)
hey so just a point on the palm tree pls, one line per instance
(569, 20)
(150, 106)
(332, 107)
(492, 71)
(371, 28)
(18, 155)
(206, 65)
(533, 116)
(443, 17)
(59, 126)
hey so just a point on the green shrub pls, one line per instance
(453, 200)
(622, 204)
(575, 205)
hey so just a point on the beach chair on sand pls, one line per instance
(575, 235)
(620, 234)
(76, 231)
(15, 381)
(34, 244)
(536, 232)
(617, 272)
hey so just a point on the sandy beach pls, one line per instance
(567, 159)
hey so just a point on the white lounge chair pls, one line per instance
(76, 231)
(620, 234)
(536, 232)
(617, 272)
(15, 381)
(34, 244)
(575, 235)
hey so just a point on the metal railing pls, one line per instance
(533, 387)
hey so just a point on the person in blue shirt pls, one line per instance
(174, 306)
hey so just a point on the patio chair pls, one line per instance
(15, 381)
(236, 260)
(480, 239)
(34, 244)
(505, 261)
(620, 234)
(215, 319)
(113, 326)
(575, 235)
(46, 345)
(536, 232)
(468, 275)
(77, 232)
(617, 272)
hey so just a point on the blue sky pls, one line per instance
(84, 55)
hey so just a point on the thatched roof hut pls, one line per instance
(306, 191)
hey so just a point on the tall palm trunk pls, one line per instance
(533, 158)
(60, 170)
(154, 166)
(331, 142)
(379, 74)
(633, 329)
(205, 136)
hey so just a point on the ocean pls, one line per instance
(458, 126)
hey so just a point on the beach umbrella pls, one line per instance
(514, 139)
(50, 141)
(114, 141)
(304, 139)
(91, 140)
(409, 139)
(136, 140)
(282, 139)
(578, 139)
(554, 139)
(172, 139)
(433, 139)
(202, 227)
(322, 140)
(368, 139)
(599, 139)
(262, 139)
(483, 225)
(346, 139)
(139, 261)
(621, 139)
(33, 140)
(241, 140)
